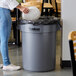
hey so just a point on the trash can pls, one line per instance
(39, 43)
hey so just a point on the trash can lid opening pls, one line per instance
(43, 20)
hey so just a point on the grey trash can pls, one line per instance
(39, 44)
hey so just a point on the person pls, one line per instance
(5, 29)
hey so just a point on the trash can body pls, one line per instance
(39, 47)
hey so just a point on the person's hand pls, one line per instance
(23, 9)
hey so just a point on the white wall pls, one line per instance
(68, 14)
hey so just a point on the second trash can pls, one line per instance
(39, 44)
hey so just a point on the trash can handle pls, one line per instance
(35, 29)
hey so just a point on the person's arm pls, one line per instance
(23, 9)
(14, 4)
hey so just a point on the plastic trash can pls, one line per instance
(39, 43)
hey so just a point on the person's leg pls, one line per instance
(5, 28)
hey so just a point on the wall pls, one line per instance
(68, 14)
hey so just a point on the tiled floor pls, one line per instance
(16, 58)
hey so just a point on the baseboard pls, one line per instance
(65, 63)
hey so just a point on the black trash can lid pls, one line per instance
(43, 20)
